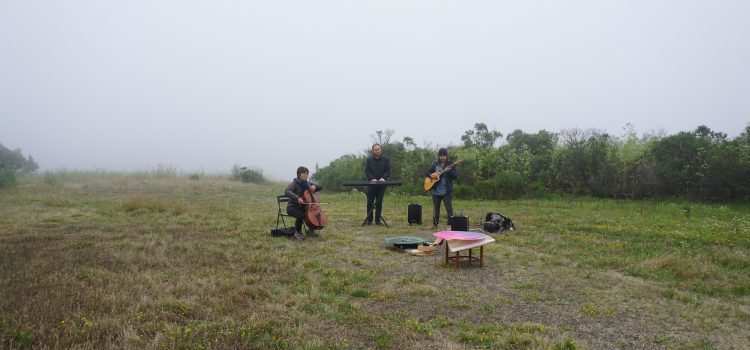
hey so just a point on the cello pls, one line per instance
(315, 218)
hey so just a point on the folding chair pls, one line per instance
(283, 199)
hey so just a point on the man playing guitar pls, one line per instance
(444, 172)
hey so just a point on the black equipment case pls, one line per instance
(459, 223)
(414, 214)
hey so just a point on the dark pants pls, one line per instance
(448, 199)
(298, 214)
(375, 199)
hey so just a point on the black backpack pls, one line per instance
(496, 222)
(283, 232)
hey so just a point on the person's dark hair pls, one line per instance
(375, 144)
(301, 170)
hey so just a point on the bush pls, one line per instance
(344, 168)
(465, 191)
(500, 186)
(7, 179)
(13, 163)
(246, 174)
(513, 185)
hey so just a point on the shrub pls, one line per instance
(246, 174)
(13, 163)
(7, 179)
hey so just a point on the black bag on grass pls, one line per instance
(495, 222)
(282, 232)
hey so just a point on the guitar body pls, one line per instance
(429, 181)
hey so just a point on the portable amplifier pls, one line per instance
(459, 223)
(415, 214)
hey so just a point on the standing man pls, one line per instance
(442, 190)
(377, 168)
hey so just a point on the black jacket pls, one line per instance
(294, 191)
(376, 168)
(447, 177)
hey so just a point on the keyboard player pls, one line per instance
(377, 168)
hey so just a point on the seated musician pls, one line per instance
(377, 168)
(295, 206)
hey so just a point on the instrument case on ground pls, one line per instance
(414, 214)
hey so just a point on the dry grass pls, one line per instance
(110, 260)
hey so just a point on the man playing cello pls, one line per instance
(295, 206)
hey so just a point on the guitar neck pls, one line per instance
(448, 168)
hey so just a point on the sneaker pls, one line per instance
(368, 222)
(298, 236)
(378, 223)
(312, 233)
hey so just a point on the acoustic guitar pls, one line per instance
(429, 181)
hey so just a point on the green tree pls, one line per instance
(345, 168)
(727, 173)
(569, 165)
(411, 168)
(681, 162)
(637, 178)
(743, 143)
(541, 146)
(12, 164)
(602, 166)
(480, 137)
(727, 166)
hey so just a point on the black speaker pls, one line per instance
(459, 223)
(415, 214)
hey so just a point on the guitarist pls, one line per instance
(442, 190)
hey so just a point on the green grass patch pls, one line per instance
(157, 260)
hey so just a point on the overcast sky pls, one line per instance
(204, 85)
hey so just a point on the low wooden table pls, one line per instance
(466, 258)
(458, 241)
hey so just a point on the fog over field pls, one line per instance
(129, 85)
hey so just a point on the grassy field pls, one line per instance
(109, 260)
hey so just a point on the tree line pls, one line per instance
(700, 165)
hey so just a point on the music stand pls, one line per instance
(373, 183)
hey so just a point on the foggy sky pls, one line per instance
(204, 85)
